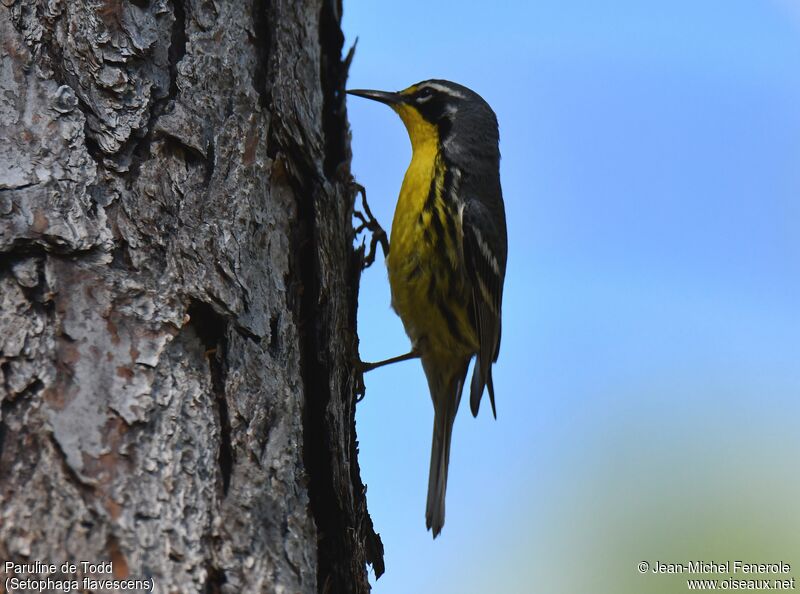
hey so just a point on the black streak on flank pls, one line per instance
(450, 320)
(437, 226)
(450, 222)
(447, 186)
(415, 272)
(430, 201)
(212, 330)
(431, 287)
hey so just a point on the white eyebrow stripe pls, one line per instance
(445, 90)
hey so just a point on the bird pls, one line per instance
(447, 253)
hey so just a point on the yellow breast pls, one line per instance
(424, 274)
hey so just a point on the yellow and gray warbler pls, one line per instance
(447, 256)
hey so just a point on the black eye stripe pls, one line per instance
(423, 95)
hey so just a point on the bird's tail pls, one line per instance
(446, 395)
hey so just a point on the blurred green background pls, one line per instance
(648, 386)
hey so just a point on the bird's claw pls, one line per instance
(360, 386)
(361, 367)
(368, 222)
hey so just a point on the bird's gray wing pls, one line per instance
(484, 253)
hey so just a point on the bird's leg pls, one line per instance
(369, 223)
(365, 367)
(362, 367)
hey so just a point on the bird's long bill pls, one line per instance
(382, 96)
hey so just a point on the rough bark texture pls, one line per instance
(178, 294)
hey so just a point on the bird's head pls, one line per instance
(440, 111)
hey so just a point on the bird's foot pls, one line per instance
(361, 367)
(368, 222)
(361, 387)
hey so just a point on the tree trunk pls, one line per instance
(178, 292)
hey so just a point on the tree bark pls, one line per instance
(178, 295)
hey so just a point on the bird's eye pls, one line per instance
(424, 95)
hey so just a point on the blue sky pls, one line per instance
(648, 387)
